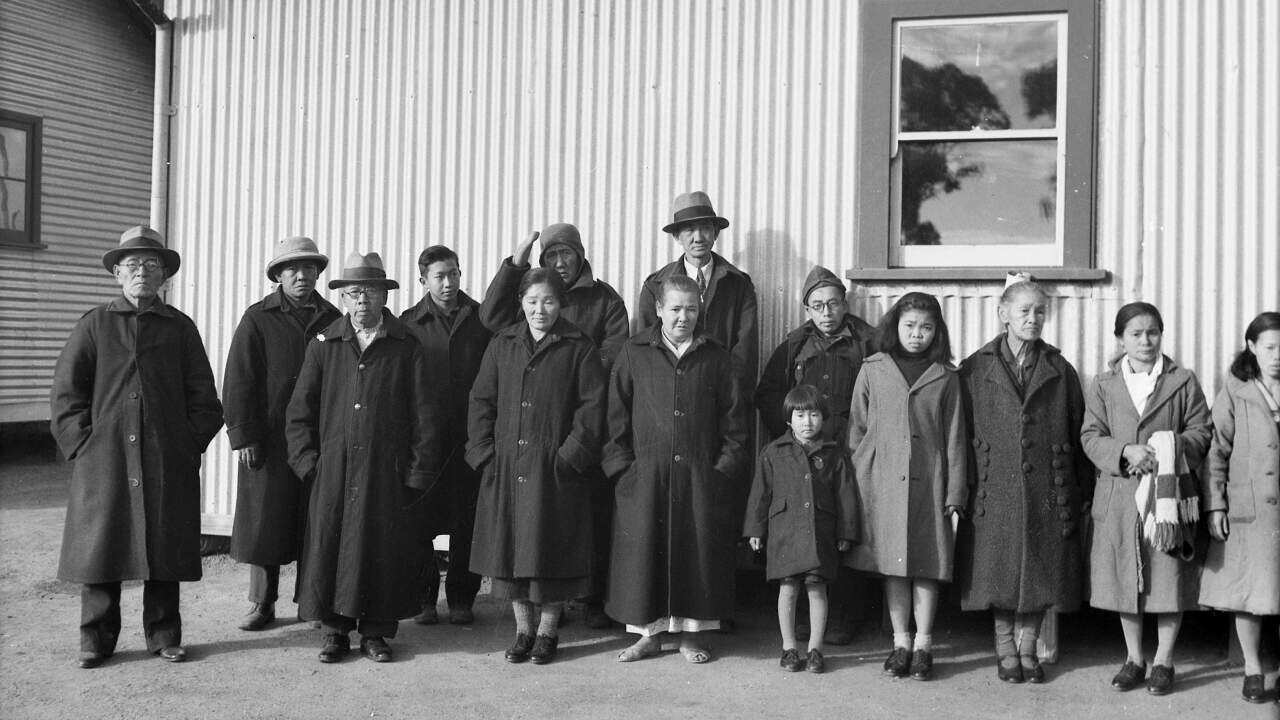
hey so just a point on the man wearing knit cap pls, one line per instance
(262, 365)
(826, 352)
(597, 309)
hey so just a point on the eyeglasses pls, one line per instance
(133, 266)
(355, 292)
(833, 305)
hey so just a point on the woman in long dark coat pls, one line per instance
(534, 431)
(1242, 569)
(677, 435)
(1144, 392)
(1018, 552)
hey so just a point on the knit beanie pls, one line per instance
(819, 277)
(560, 234)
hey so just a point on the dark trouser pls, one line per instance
(100, 616)
(601, 537)
(264, 584)
(368, 627)
(460, 585)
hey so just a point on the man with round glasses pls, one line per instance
(133, 404)
(262, 366)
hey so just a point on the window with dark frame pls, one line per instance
(976, 126)
(19, 179)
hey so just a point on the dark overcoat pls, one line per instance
(591, 304)
(368, 426)
(677, 447)
(803, 501)
(830, 366)
(459, 347)
(1019, 546)
(134, 405)
(1123, 576)
(728, 314)
(534, 429)
(910, 459)
(262, 368)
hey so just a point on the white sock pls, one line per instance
(924, 642)
(902, 640)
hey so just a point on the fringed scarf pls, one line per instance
(1168, 501)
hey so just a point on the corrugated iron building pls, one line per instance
(84, 68)
(390, 126)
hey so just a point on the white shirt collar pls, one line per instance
(692, 270)
(678, 350)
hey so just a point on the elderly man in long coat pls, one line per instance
(364, 424)
(677, 450)
(134, 405)
(262, 366)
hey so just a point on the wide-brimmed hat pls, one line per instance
(294, 249)
(360, 269)
(138, 238)
(691, 207)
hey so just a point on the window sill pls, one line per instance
(23, 245)
(1087, 275)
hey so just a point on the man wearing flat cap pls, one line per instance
(266, 354)
(597, 309)
(826, 352)
(365, 426)
(133, 404)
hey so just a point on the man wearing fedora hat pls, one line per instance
(133, 404)
(262, 365)
(366, 426)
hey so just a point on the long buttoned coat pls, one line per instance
(677, 447)
(134, 405)
(1123, 576)
(369, 426)
(1243, 573)
(910, 461)
(459, 347)
(832, 369)
(262, 368)
(591, 304)
(803, 501)
(1019, 547)
(535, 428)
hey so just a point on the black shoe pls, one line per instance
(1032, 670)
(1161, 680)
(519, 650)
(791, 660)
(921, 665)
(461, 616)
(90, 660)
(260, 616)
(1009, 674)
(899, 662)
(1129, 677)
(1254, 690)
(376, 649)
(335, 647)
(544, 649)
(815, 663)
(173, 653)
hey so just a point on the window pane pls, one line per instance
(998, 192)
(13, 205)
(13, 153)
(992, 76)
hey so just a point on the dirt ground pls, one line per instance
(458, 672)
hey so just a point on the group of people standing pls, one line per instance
(569, 459)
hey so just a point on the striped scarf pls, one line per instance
(1168, 503)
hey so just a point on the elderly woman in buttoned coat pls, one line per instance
(1242, 568)
(1125, 575)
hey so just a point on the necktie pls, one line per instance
(702, 282)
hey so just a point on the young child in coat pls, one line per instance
(907, 438)
(803, 502)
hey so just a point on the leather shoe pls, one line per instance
(461, 616)
(815, 663)
(376, 649)
(1254, 690)
(1161, 680)
(898, 663)
(921, 665)
(791, 660)
(519, 650)
(1032, 670)
(1130, 676)
(544, 649)
(173, 653)
(335, 647)
(1009, 670)
(90, 660)
(259, 617)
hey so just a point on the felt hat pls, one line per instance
(138, 238)
(360, 269)
(819, 277)
(293, 249)
(691, 207)
(560, 234)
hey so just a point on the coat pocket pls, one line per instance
(1104, 489)
(778, 507)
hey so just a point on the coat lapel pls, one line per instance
(996, 373)
(1114, 387)
(1171, 380)
(1045, 371)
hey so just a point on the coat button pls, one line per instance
(1056, 448)
(1067, 530)
(134, 396)
(360, 366)
(1066, 447)
(525, 403)
(519, 478)
(522, 441)
(675, 458)
(980, 512)
(357, 406)
(679, 371)
(1064, 514)
(1062, 500)
(1271, 501)
(678, 413)
(826, 377)
(807, 476)
(1027, 467)
(134, 482)
(1057, 464)
(133, 438)
(806, 504)
(1057, 480)
(902, 479)
(1026, 442)
(1026, 418)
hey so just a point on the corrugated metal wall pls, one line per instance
(395, 125)
(82, 67)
